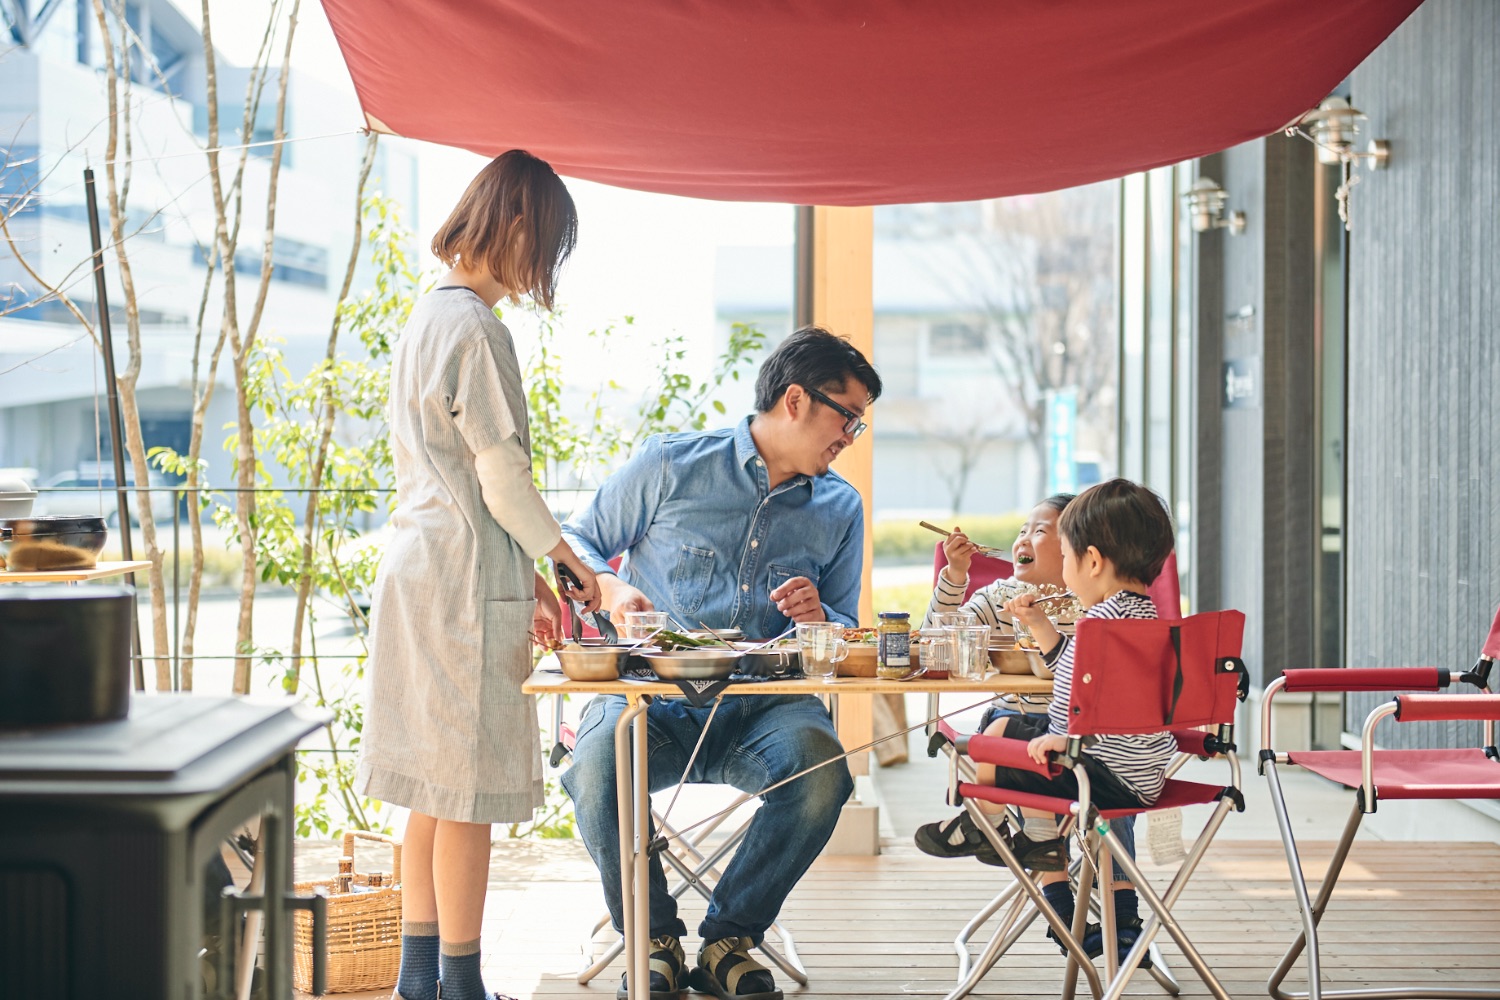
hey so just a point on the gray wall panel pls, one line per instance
(1424, 378)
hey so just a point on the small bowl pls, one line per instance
(773, 663)
(694, 664)
(43, 544)
(593, 663)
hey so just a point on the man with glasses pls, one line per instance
(739, 528)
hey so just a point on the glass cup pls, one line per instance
(935, 651)
(971, 651)
(641, 624)
(821, 646)
(952, 619)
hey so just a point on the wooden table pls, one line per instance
(633, 789)
(100, 571)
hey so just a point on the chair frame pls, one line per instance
(1100, 845)
(697, 872)
(1483, 706)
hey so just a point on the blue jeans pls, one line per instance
(1123, 828)
(754, 742)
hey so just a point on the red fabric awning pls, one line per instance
(851, 102)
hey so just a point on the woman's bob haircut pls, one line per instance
(516, 220)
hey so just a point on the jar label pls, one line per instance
(895, 649)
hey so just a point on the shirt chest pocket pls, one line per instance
(776, 622)
(691, 577)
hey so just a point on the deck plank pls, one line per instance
(883, 926)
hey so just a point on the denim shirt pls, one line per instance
(706, 538)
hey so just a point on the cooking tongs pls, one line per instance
(599, 619)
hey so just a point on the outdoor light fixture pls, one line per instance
(1333, 127)
(1205, 205)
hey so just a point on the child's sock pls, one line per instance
(1060, 895)
(459, 966)
(1127, 906)
(419, 960)
(1039, 827)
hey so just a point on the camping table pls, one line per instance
(634, 801)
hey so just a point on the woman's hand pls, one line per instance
(546, 620)
(1041, 746)
(587, 592)
(960, 553)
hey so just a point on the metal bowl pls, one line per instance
(773, 662)
(593, 663)
(32, 544)
(694, 664)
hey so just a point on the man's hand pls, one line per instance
(798, 599)
(1041, 746)
(617, 597)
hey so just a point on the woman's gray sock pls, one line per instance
(418, 979)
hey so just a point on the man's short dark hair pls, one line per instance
(814, 359)
(1126, 522)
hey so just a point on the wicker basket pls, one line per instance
(364, 928)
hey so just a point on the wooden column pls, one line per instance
(838, 257)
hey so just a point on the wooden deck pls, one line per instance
(883, 926)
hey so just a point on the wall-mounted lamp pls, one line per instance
(1205, 204)
(1333, 127)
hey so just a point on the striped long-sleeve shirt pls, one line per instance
(988, 602)
(1139, 761)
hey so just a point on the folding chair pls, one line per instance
(696, 870)
(1375, 774)
(1130, 677)
(983, 570)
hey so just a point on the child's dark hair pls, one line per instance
(1059, 501)
(1126, 522)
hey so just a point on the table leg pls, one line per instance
(625, 803)
(642, 825)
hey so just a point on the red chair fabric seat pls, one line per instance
(1463, 773)
(1175, 793)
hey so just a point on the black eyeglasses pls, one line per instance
(853, 425)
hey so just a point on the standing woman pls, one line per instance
(448, 733)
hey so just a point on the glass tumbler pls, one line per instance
(971, 651)
(953, 619)
(821, 646)
(935, 652)
(641, 624)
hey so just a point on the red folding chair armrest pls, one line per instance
(1366, 679)
(1006, 752)
(1447, 707)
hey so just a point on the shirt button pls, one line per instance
(759, 462)
(745, 586)
(755, 543)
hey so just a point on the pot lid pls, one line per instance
(12, 486)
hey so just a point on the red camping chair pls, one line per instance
(1182, 675)
(1374, 774)
(1165, 591)
(983, 571)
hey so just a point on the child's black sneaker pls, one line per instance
(959, 837)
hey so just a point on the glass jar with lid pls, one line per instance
(893, 649)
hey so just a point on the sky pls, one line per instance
(643, 255)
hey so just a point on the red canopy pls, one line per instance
(851, 102)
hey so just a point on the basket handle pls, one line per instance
(379, 838)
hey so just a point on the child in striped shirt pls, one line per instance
(1116, 536)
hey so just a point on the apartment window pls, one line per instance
(955, 340)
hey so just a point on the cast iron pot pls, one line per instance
(64, 655)
(67, 541)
